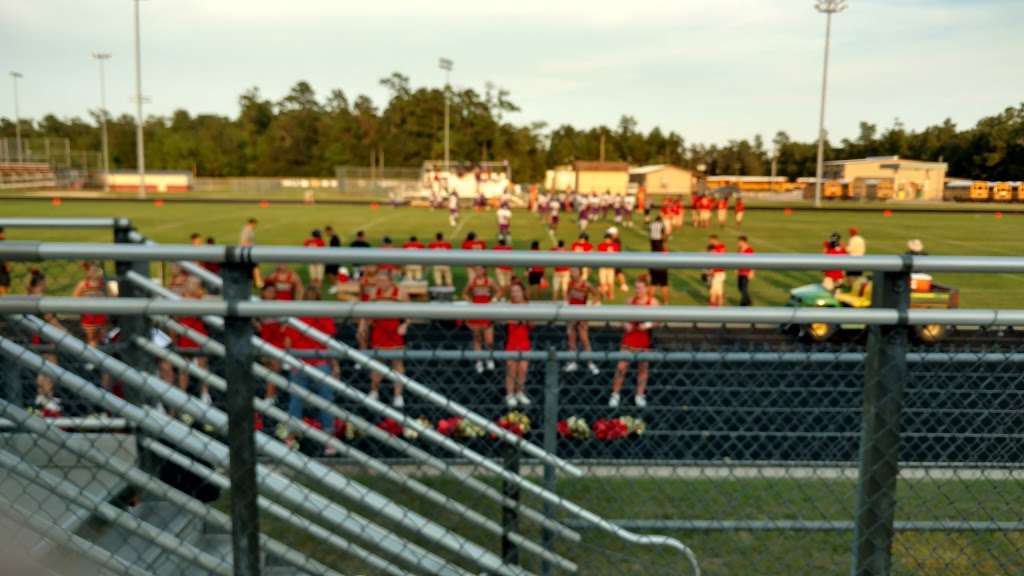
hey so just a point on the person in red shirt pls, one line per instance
(481, 290)
(740, 209)
(723, 211)
(295, 339)
(387, 244)
(744, 275)
(503, 274)
(271, 332)
(413, 272)
(316, 271)
(716, 276)
(193, 289)
(442, 273)
(606, 274)
(678, 213)
(535, 275)
(388, 334)
(517, 339)
(560, 276)
(472, 243)
(706, 204)
(287, 284)
(94, 285)
(367, 284)
(635, 338)
(833, 278)
(582, 244)
(666, 215)
(695, 201)
(580, 293)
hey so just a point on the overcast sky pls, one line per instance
(712, 70)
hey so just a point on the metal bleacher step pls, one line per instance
(140, 551)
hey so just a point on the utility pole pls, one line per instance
(17, 118)
(447, 66)
(102, 57)
(827, 7)
(140, 146)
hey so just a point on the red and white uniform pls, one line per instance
(440, 245)
(300, 341)
(477, 244)
(384, 331)
(313, 242)
(93, 289)
(481, 291)
(745, 271)
(366, 287)
(284, 284)
(413, 245)
(504, 248)
(517, 338)
(577, 293)
(638, 334)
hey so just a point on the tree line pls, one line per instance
(303, 134)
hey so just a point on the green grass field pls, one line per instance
(966, 234)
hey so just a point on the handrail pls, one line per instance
(684, 260)
(537, 312)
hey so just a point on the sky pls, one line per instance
(712, 70)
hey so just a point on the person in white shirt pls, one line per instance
(453, 209)
(856, 246)
(504, 216)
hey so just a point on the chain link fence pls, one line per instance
(761, 453)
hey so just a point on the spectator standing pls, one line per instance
(606, 274)
(503, 273)
(636, 337)
(93, 285)
(504, 217)
(833, 247)
(716, 276)
(247, 239)
(741, 208)
(442, 272)
(287, 284)
(560, 275)
(360, 240)
(331, 270)
(316, 271)
(517, 339)
(413, 272)
(388, 334)
(582, 244)
(744, 275)
(472, 243)
(657, 231)
(296, 339)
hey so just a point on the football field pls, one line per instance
(769, 230)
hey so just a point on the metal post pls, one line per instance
(884, 377)
(130, 327)
(446, 65)
(13, 391)
(102, 57)
(139, 144)
(828, 7)
(17, 117)
(551, 389)
(237, 275)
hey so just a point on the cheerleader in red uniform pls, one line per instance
(579, 293)
(367, 286)
(388, 334)
(481, 290)
(517, 339)
(637, 338)
(94, 285)
(193, 289)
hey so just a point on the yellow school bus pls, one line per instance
(1002, 192)
(1020, 191)
(832, 189)
(979, 191)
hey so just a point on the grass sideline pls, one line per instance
(964, 234)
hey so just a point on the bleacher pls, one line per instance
(26, 175)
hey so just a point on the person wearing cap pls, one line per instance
(606, 274)
(855, 246)
(915, 248)
(833, 247)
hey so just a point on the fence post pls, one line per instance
(884, 377)
(129, 327)
(551, 385)
(238, 358)
(510, 514)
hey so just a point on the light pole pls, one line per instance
(828, 7)
(139, 144)
(102, 57)
(446, 65)
(17, 119)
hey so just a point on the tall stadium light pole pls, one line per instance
(139, 144)
(17, 117)
(827, 7)
(446, 65)
(102, 57)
